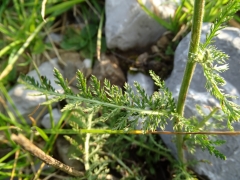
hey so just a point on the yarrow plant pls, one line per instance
(121, 109)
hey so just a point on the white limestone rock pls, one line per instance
(228, 40)
(128, 26)
(23, 98)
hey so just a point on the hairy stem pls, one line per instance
(189, 70)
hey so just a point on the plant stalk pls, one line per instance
(189, 70)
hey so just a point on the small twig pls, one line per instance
(30, 147)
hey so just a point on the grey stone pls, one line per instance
(146, 83)
(54, 38)
(228, 40)
(128, 26)
(46, 122)
(73, 64)
(108, 68)
(64, 152)
(26, 100)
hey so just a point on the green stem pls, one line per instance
(189, 70)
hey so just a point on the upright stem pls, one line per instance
(189, 70)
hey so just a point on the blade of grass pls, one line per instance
(12, 119)
(62, 7)
(99, 37)
(20, 51)
(5, 157)
(15, 164)
(42, 134)
(18, 9)
(3, 7)
(9, 47)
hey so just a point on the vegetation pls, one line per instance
(100, 122)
